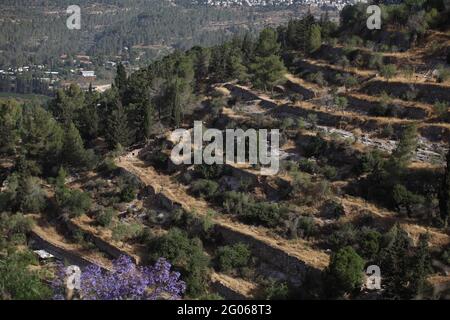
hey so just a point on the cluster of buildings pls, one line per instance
(337, 4)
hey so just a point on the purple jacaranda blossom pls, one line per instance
(126, 281)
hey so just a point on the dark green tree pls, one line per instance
(149, 120)
(231, 257)
(267, 69)
(185, 254)
(314, 38)
(67, 104)
(10, 125)
(405, 149)
(345, 271)
(120, 81)
(421, 265)
(73, 152)
(117, 131)
(395, 263)
(18, 282)
(42, 139)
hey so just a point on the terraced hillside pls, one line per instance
(363, 176)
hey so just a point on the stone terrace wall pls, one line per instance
(292, 266)
(297, 88)
(272, 255)
(61, 253)
(364, 107)
(426, 92)
(432, 132)
(248, 95)
(101, 244)
(226, 292)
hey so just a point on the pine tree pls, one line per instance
(117, 131)
(395, 262)
(176, 95)
(345, 271)
(120, 82)
(42, 139)
(10, 125)
(236, 68)
(67, 104)
(201, 67)
(73, 152)
(268, 69)
(247, 47)
(149, 120)
(267, 44)
(314, 38)
(421, 265)
(405, 149)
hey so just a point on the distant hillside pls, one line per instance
(35, 31)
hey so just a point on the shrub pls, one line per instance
(333, 208)
(341, 103)
(187, 255)
(275, 290)
(308, 190)
(204, 188)
(379, 110)
(317, 78)
(350, 82)
(345, 271)
(210, 172)
(440, 108)
(264, 213)
(127, 231)
(74, 202)
(17, 281)
(31, 195)
(443, 74)
(346, 235)
(316, 147)
(306, 226)
(408, 72)
(105, 217)
(235, 202)
(344, 62)
(232, 257)
(388, 71)
(403, 198)
(127, 194)
(329, 172)
(411, 95)
(445, 256)
(369, 243)
(387, 131)
(312, 119)
(287, 123)
(13, 228)
(107, 165)
(371, 162)
(376, 61)
(308, 166)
